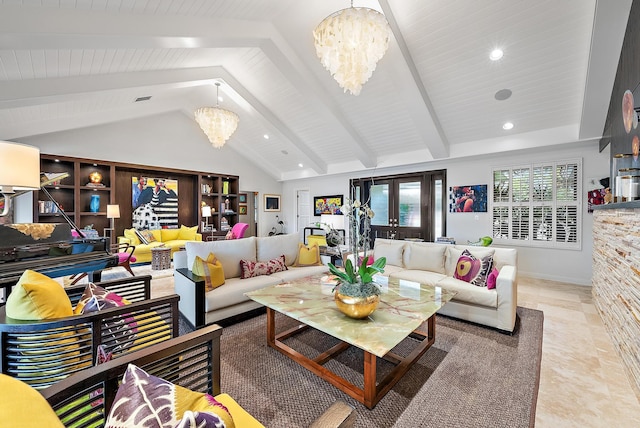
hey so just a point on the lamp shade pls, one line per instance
(19, 167)
(335, 221)
(113, 211)
(206, 211)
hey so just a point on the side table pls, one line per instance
(160, 258)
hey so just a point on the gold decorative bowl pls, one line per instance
(356, 307)
(95, 177)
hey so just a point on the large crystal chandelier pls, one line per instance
(350, 43)
(217, 123)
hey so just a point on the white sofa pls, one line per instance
(202, 308)
(435, 264)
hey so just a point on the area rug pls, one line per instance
(138, 269)
(471, 377)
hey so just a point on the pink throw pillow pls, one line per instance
(369, 260)
(492, 278)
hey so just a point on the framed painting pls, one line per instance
(328, 204)
(242, 198)
(272, 203)
(468, 199)
(242, 209)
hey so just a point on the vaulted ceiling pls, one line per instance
(67, 64)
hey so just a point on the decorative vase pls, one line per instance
(357, 307)
(94, 204)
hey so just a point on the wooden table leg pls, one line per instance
(370, 390)
(271, 327)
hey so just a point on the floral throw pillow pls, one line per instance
(123, 332)
(249, 269)
(472, 269)
(143, 400)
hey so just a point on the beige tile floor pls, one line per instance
(582, 380)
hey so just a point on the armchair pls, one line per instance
(238, 230)
(125, 258)
(42, 353)
(191, 361)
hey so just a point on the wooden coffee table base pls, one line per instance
(372, 392)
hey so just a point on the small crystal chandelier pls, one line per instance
(218, 124)
(350, 43)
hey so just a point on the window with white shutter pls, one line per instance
(538, 205)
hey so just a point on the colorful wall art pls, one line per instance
(154, 203)
(468, 199)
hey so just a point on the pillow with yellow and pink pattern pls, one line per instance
(144, 400)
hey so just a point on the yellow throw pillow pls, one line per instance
(157, 235)
(169, 234)
(21, 405)
(211, 269)
(321, 240)
(37, 297)
(188, 233)
(308, 255)
(131, 235)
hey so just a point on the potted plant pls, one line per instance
(356, 294)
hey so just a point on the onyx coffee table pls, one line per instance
(405, 309)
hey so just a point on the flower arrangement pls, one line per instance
(358, 280)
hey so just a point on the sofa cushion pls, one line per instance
(250, 269)
(455, 251)
(142, 398)
(169, 234)
(390, 249)
(233, 291)
(132, 236)
(308, 255)
(472, 269)
(37, 297)
(228, 252)
(468, 293)
(211, 269)
(421, 276)
(424, 256)
(187, 233)
(293, 272)
(21, 406)
(270, 247)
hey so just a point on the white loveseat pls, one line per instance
(435, 264)
(202, 308)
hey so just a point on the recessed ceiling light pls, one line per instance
(507, 126)
(503, 94)
(496, 54)
(266, 136)
(300, 165)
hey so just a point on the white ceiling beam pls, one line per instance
(415, 96)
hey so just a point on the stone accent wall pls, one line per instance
(616, 281)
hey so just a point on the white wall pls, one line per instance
(170, 140)
(572, 266)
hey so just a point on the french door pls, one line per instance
(406, 206)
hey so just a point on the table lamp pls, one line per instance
(113, 212)
(206, 213)
(19, 170)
